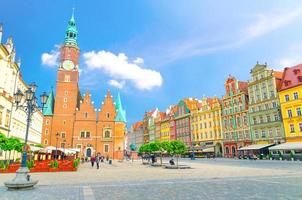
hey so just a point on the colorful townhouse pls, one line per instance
(264, 108)
(135, 135)
(206, 126)
(149, 125)
(172, 112)
(290, 96)
(235, 116)
(182, 120)
(165, 127)
(157, 122)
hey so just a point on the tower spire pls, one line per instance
(71, 31)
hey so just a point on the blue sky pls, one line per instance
(156, 52)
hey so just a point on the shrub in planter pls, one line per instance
(54, 164)
(280, 156)
(76, 163)
(270, 156)
(4, 164)
(18, 160)
(30, 164)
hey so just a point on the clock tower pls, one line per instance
(67, 90)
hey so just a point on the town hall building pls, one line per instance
(71, 120)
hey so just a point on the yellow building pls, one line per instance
(165, 129)
(290, 95)
(206, 126)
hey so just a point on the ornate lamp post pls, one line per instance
(29, 105)
(57, 138)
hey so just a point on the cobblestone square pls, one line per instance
(208, 179)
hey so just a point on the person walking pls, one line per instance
(97, 160)
(92, 160)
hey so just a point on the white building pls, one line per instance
(12, 121)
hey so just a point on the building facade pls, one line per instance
(182, 120)
(290, 96)
(264, 108)
(13, 122)
(71, 120)
(206, 126)
(235, 116)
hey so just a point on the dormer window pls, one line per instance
(297, 71)
(287, 83)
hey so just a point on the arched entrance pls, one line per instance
(88, 152)
(233, 151)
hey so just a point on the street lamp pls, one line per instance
(29, 106)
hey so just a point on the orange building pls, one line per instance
(71, 120)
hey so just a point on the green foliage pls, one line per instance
(76, 162)
(54, 164)
(280, 155)
(291, 155)
(4, 164)
(30, 164)
(270, 155)
(154, 147)
(165, 146)
(18, 159)
(3, 141)
(177, 148)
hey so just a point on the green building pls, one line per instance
(264, 107)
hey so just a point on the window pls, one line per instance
(268, 118)
(300, 127)
(79, 146)
(82, 134)
(65, 99)
(270, 133)
(64, 122)
(7, 118)
(107, 134)
(298, 111)
(63, 135)
(47, 122)
(276, 117)
(108, 115)
(67, 78)
(64, 105)
(46, 131)
(45, 142)
(62, 145)
(256, 135)
(292, 128)
(85, 115)
(278, 132)
(66, 92)
(87, 134)
(289, 113)
(106, 148)
(286, 97)
(274, 104)
(296, 95)
(263, 134)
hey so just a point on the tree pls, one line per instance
(177, 148)
(3, 141)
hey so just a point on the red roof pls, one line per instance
(292, 77)
(137, 125)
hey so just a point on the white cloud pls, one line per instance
(138, 61)
(292, 57)
(119, 67)
(117, 84)
(51, 59)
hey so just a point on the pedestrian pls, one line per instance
(107, 158)
(92, 160)
(97, 160)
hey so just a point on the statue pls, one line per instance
(132, 147)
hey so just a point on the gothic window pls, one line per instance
(85, 115)
(46, 131)
(107, 134)
(106, 148)
(65, 99)
(108, 115)
(82, 134)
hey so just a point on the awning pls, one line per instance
(209, 150)
(34, 149)
(255, 147)
(288, 146)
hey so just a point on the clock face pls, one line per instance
(68, 65)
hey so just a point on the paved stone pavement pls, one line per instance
(212, 179)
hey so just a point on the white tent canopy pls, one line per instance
(33, 148)
(255, 147)
(288, 146)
